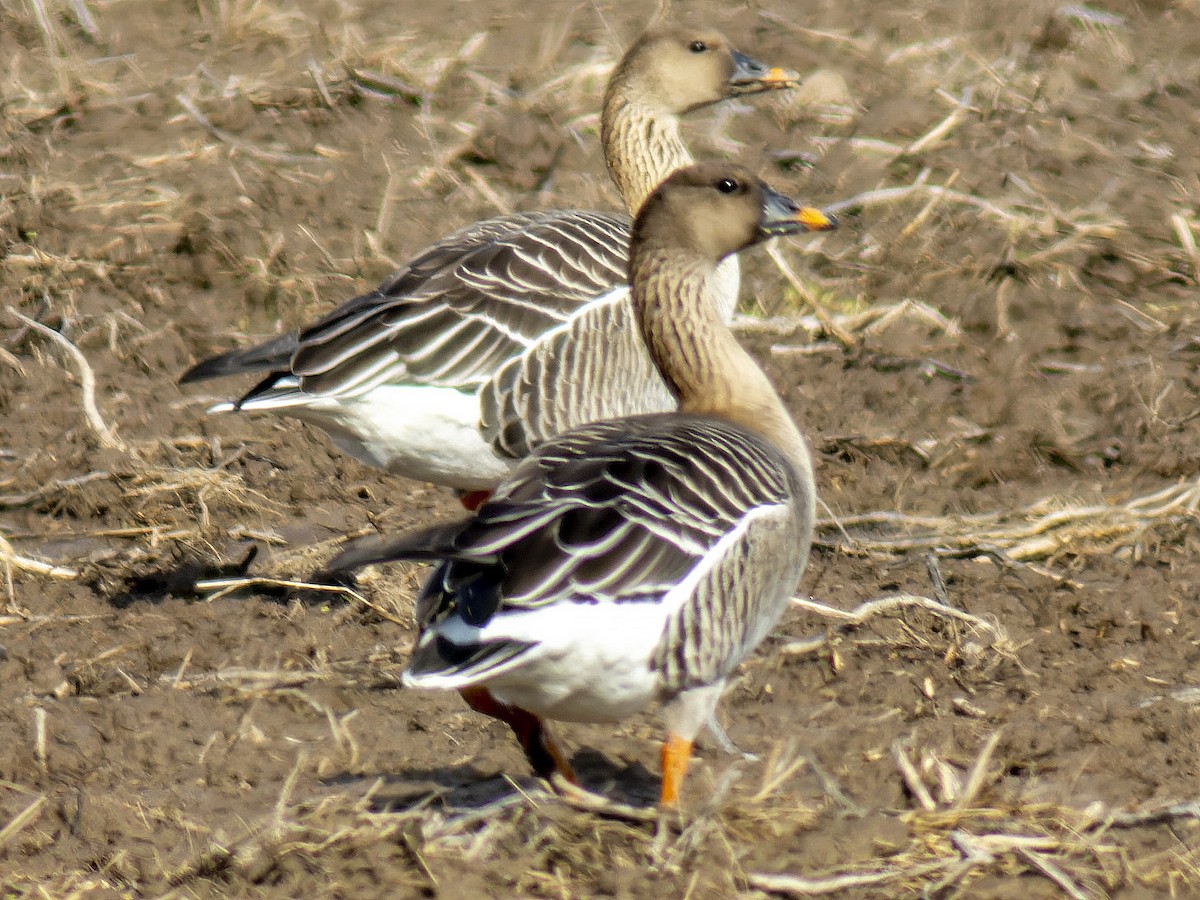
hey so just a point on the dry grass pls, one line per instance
(242, 118)
(1051, 529)
(962, 831)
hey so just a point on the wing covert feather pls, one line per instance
(469, 303)
(612, 512)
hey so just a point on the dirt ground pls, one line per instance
(1003, 405)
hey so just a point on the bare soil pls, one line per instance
(1003, 402)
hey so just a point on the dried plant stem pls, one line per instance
(884, 605)
(807, 887)
(835, 331)
(222, 587)
(87, 378)
(1185, 231)
(10, 557)
(912, 778)
(236, 142)
(927, 210)
(1040, 530)
(944, 127)
(1054, 872)
(86, 20)
(581, 798)
(39, 736)
(43, 621)
(919, 187)
(1169, 813)
(25, 817)
(978, 773)
(782, 764)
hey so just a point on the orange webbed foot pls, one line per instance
(676, 755)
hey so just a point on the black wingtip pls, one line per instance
(421, 545)
(213, 367)
(365, 551)
(273, 355)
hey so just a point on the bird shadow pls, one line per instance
(464, 789)
(195, 578)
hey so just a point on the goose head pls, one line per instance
(715, 209)
(670, 71)
(697, 217)
(681, 69)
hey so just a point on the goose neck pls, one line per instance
(643, 144)
(700, 359)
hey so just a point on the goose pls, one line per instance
(512, 329)
(641, 558)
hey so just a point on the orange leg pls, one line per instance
(540, 748)
(472, 500)
(676, 754)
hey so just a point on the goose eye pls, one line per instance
(697, 46)
(727, 185)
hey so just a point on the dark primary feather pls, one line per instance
(612, 512)
(456, 312)
(433, 543)
(266, 357)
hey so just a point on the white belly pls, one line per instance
(591, 662)
(425, 433)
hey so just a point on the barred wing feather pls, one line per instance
(593, 367)
(467, 304)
